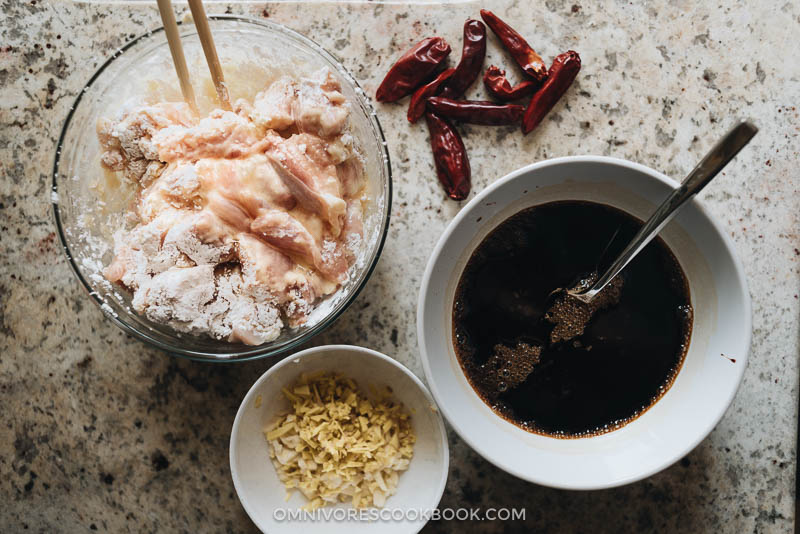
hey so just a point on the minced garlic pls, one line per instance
(338, 445)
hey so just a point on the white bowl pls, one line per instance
(263, 495)
(705, 385)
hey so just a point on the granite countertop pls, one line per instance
(103, 433)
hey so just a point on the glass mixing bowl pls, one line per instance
(89, 203)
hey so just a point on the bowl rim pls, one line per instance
(259, 351)
(289, 360)
(507, 465)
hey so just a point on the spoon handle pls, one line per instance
(719, 156)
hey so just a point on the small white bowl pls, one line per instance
(705, 385)
(263, 495)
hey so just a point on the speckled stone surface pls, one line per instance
(102, 433)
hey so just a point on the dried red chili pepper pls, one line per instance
(563, 71)
(412, 69)
(523, 54)
(450, 157)
(416, 108)
(472, 54)
(476, 111)
(499, 87)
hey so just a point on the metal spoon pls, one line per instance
(719, 156)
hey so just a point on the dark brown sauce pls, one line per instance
(629, 353)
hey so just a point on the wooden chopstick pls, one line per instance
(204, 32)
(176, 49)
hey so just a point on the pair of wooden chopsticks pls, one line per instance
(210, 51)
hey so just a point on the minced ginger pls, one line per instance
(337, 445)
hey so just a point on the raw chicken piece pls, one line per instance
(223, 134)
(127, 143)
(137, 254)
(250, 182)
(211, 229)
(177, 187)
(284, 232)
(191, 237)
(334, 259)
(320, 108)
(306, 169)
(174, 297)
(173, 238)
(273, 108)
(228, 212)
(315, 106)
(351, 179)
(233, 190)
(236, 314)
(264, 266)
(340, 149)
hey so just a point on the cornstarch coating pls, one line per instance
(244, 219)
